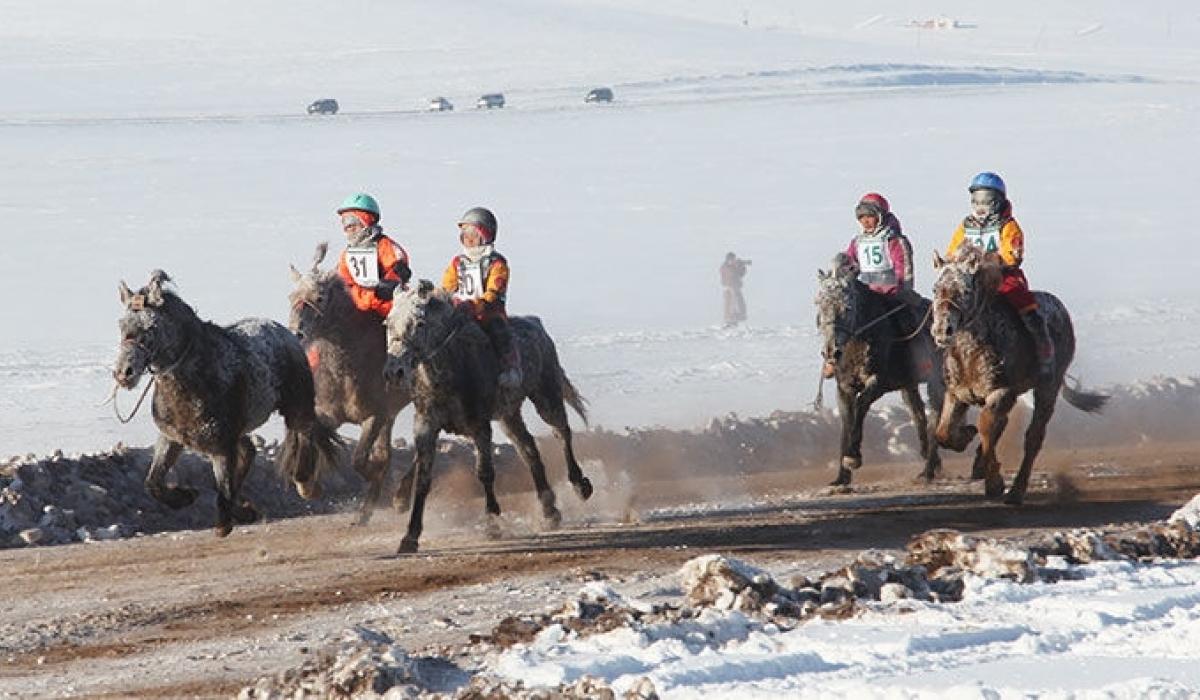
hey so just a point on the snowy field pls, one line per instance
(139, 136)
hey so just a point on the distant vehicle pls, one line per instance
(601, 94)
(326, 106)
(440, 104)
(490, 100)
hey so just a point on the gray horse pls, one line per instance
(991, 360)
(347, 348)
(214, 386)
(873, 353)
(452, 369)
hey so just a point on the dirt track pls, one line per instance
(185, 614)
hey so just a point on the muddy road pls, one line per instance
(187, 615)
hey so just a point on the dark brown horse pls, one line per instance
(347, 348)
(452, 368)
(213, 386)
(991, 360)
(872, 353)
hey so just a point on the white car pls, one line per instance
(440, 104)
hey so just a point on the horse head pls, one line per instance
(152, 334)
(315, 300)
(965, 282)
(420, 323)
(837, 305)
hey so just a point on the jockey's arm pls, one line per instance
(450, 277)
(1012, 244)
(497, 284)
(960, 234)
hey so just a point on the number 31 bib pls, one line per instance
(364, 265)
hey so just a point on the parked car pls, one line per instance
(325, 106)
(601, 94)
(440, 104)
(490, 100)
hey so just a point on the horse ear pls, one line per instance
(823, 275)
(938, 260)
(294, 273)
(319, 255)
(125, 292)
(154, 290)
(424, 289)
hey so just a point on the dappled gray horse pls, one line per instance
(452, 368)
(213, 386)
(991, 360)
(346, 348)
(874, 353)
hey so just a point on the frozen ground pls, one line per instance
(121, 158)
(141, 135)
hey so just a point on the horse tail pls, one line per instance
(1086, 401)
(307, 455)
(572, 396)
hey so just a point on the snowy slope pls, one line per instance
(139, 135)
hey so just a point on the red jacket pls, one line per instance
(391, 259)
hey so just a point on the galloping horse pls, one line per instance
(214, 386)
(991, 360)
(453, 369)
(872, 354)
(347, 348)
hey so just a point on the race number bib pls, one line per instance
(873, 256)
(364, 266)
(988, 238)
(470, 281)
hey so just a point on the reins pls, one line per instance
(153, 375)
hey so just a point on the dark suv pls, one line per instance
(601, 94)
(326, 106)
(490, 100)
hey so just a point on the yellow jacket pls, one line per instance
(1004, 237)
(462, 277)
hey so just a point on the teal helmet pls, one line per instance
(362, 202)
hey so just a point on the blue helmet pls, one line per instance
(988, 181)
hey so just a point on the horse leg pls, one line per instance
(166, 453)
(514, 427)
(950, 432)
(486, 473)
(362, 463)
(992, 420)
(1043, 409)
(846, 411)
(550, 407)
(862, 405)
(916, 406)
(243, 511)
(424, 449)
(225, 467)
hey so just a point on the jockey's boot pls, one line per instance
(510, 369)
(1036, 324)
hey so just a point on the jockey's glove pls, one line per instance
(385, 289)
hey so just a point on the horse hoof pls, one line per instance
(222, 530)
(584, 488)
(407, 546)
(400, 504)
(245, 513)
(309, 491)
(994, 489)
(843, 478)
(851, 462)
(553, 519)
(492, 529)
(1014, 499)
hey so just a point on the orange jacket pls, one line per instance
(1004, 237)
(488, 301)
(389, 254)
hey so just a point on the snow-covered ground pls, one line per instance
(1120, 631)
(140, 135)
